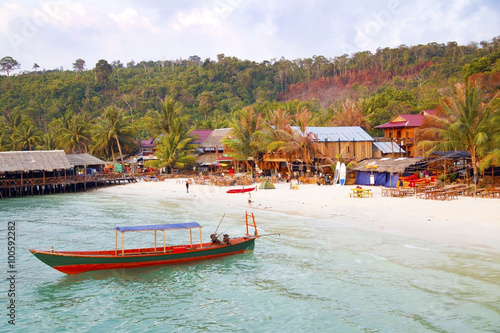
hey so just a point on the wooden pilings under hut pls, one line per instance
(25, 173)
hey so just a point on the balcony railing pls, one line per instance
(59, 180)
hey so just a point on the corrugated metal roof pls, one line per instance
(412, 120)
(83, 159)
(203, 134)
(12, 161)
(149, 143)
(343, 133)
(387, 148)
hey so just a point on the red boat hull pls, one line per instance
(79, 262)
(241, 190)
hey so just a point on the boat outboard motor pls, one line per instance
(225, 240)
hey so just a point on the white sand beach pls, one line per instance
(465, 222)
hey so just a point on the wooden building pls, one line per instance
(385, 171)
(390, 149)
(213, 151)
(402, 130)
(45, 172)
(85, 164)
(351, 143)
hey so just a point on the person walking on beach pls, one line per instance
(249, 200)
(187, 186)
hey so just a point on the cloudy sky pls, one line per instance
(55, 33)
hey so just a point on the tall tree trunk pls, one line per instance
(119, 149)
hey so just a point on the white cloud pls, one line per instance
(54, 33)
(129, 19)
(211, 17)
(64, 14)
(7, 12)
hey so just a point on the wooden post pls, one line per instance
(493, 175)
(164, 247)
(444, 171)
(254, 225)
(190, 237)
(116, 242)
(155, 240)
(246, 221)
(201, 242)
(123, 248)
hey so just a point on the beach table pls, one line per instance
(493, 192)
(361, 193)
(478, 192)
(387, 191)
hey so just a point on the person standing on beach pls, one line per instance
(249, 200)
(187, 186)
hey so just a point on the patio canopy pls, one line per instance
(172, 226)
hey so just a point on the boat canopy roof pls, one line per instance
(188, 225)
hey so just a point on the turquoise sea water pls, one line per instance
(318, 276)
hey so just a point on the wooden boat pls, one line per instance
(75, 262)
(241, 190)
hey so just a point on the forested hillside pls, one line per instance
(378, 85)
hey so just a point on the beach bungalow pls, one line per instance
(402, 131)
(85, 164)
(51, 171)
(201, 135)
(349, 142)
(385, 171)
(213, 153)
(33, 172)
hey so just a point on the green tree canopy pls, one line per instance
(8, 64)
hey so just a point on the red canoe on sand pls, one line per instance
(241, 190)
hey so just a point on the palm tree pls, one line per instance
(279, 136)
(13, 121)
(175, 148)
(4, 135)
(25, 136)
(74, 135)
(467, 126)
(113, 131)
(493, 155)
(48, 142)
(162, 120)
(307, 141)
(349, 114)
(246, 131)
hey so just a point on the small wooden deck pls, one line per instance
(19, 187)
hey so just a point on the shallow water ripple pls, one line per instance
(320, 275)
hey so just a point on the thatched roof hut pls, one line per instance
(19, 161)
(83, 159)
(390, 165)
(215, 138)
(384, 171)
(207, 158)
